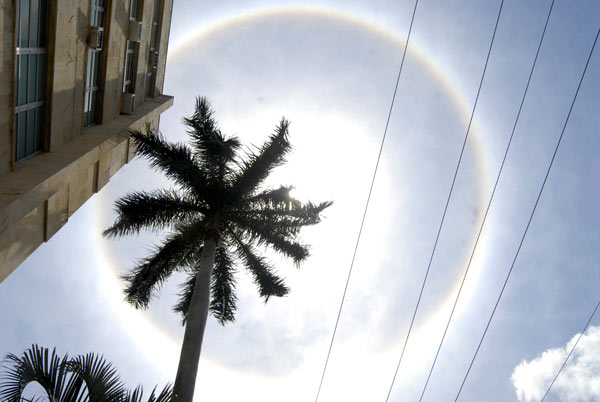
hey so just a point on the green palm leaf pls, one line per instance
(137, 395)
(85, 378)
(269, 284)
(216, 152)
(179, 251)
(100, 377)
(223, 302)
(176, 161)
(257, 166)
(152, 211)
(264, 232)
(49, 371)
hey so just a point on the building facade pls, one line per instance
(75, 77)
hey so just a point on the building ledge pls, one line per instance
(55, 184)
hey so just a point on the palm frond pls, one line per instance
(300, 214)
(176, 161)
(152, 211)
(279, 197)
(269, 284)
(223, 298)
(177, 252)
(100, 377)
(259, 164)
(133, 396)
(88, 378)
(278, 225)
(164, 395)
(223, 304)
(214, 150)
(137, 395)
(185, 296)
(282, 237)
(12, 383)
(49, 371)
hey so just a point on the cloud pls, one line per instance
(579, 380)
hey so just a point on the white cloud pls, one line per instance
(579, 380)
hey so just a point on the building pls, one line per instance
(75, 77)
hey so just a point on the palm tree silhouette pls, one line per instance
(218, 216)
(84, 378)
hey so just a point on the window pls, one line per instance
(133, 10)
(153, 59)
(130, 51)
(94, 62)
(30, 77)
(128, 74)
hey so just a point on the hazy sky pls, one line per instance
(330, 68)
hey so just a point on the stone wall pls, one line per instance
(7, 82)
(39, 193)
(39, 197)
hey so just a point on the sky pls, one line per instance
(330, 67)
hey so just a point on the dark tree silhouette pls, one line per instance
(218, 216)
(84, 378)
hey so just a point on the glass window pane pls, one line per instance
(93, 97)
(153, 37)
(41, 77)
(21, 131)
(156, 9)
(101, 35)
(98, 67)
(148, 83)
(133, 12)
(86, 102)
(129, 67)
(33, 23)
(24, 23)
(32, 79)
(39, 128)
(88, 72)
(43, 23)
(92, 68)
(95, 69)
(22, 80)
(30, 140)
(86, 109)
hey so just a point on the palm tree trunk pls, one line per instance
(185, 381)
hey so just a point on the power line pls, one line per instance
(368, 198)
(447, 202)
(489, 202)
(531, 216)
(571, 352)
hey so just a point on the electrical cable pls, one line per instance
(570, 352)
(531, 216)
(368, 198)
(447, 202)
(489, 202)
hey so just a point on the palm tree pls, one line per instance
(218, 216)
(85, 378)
